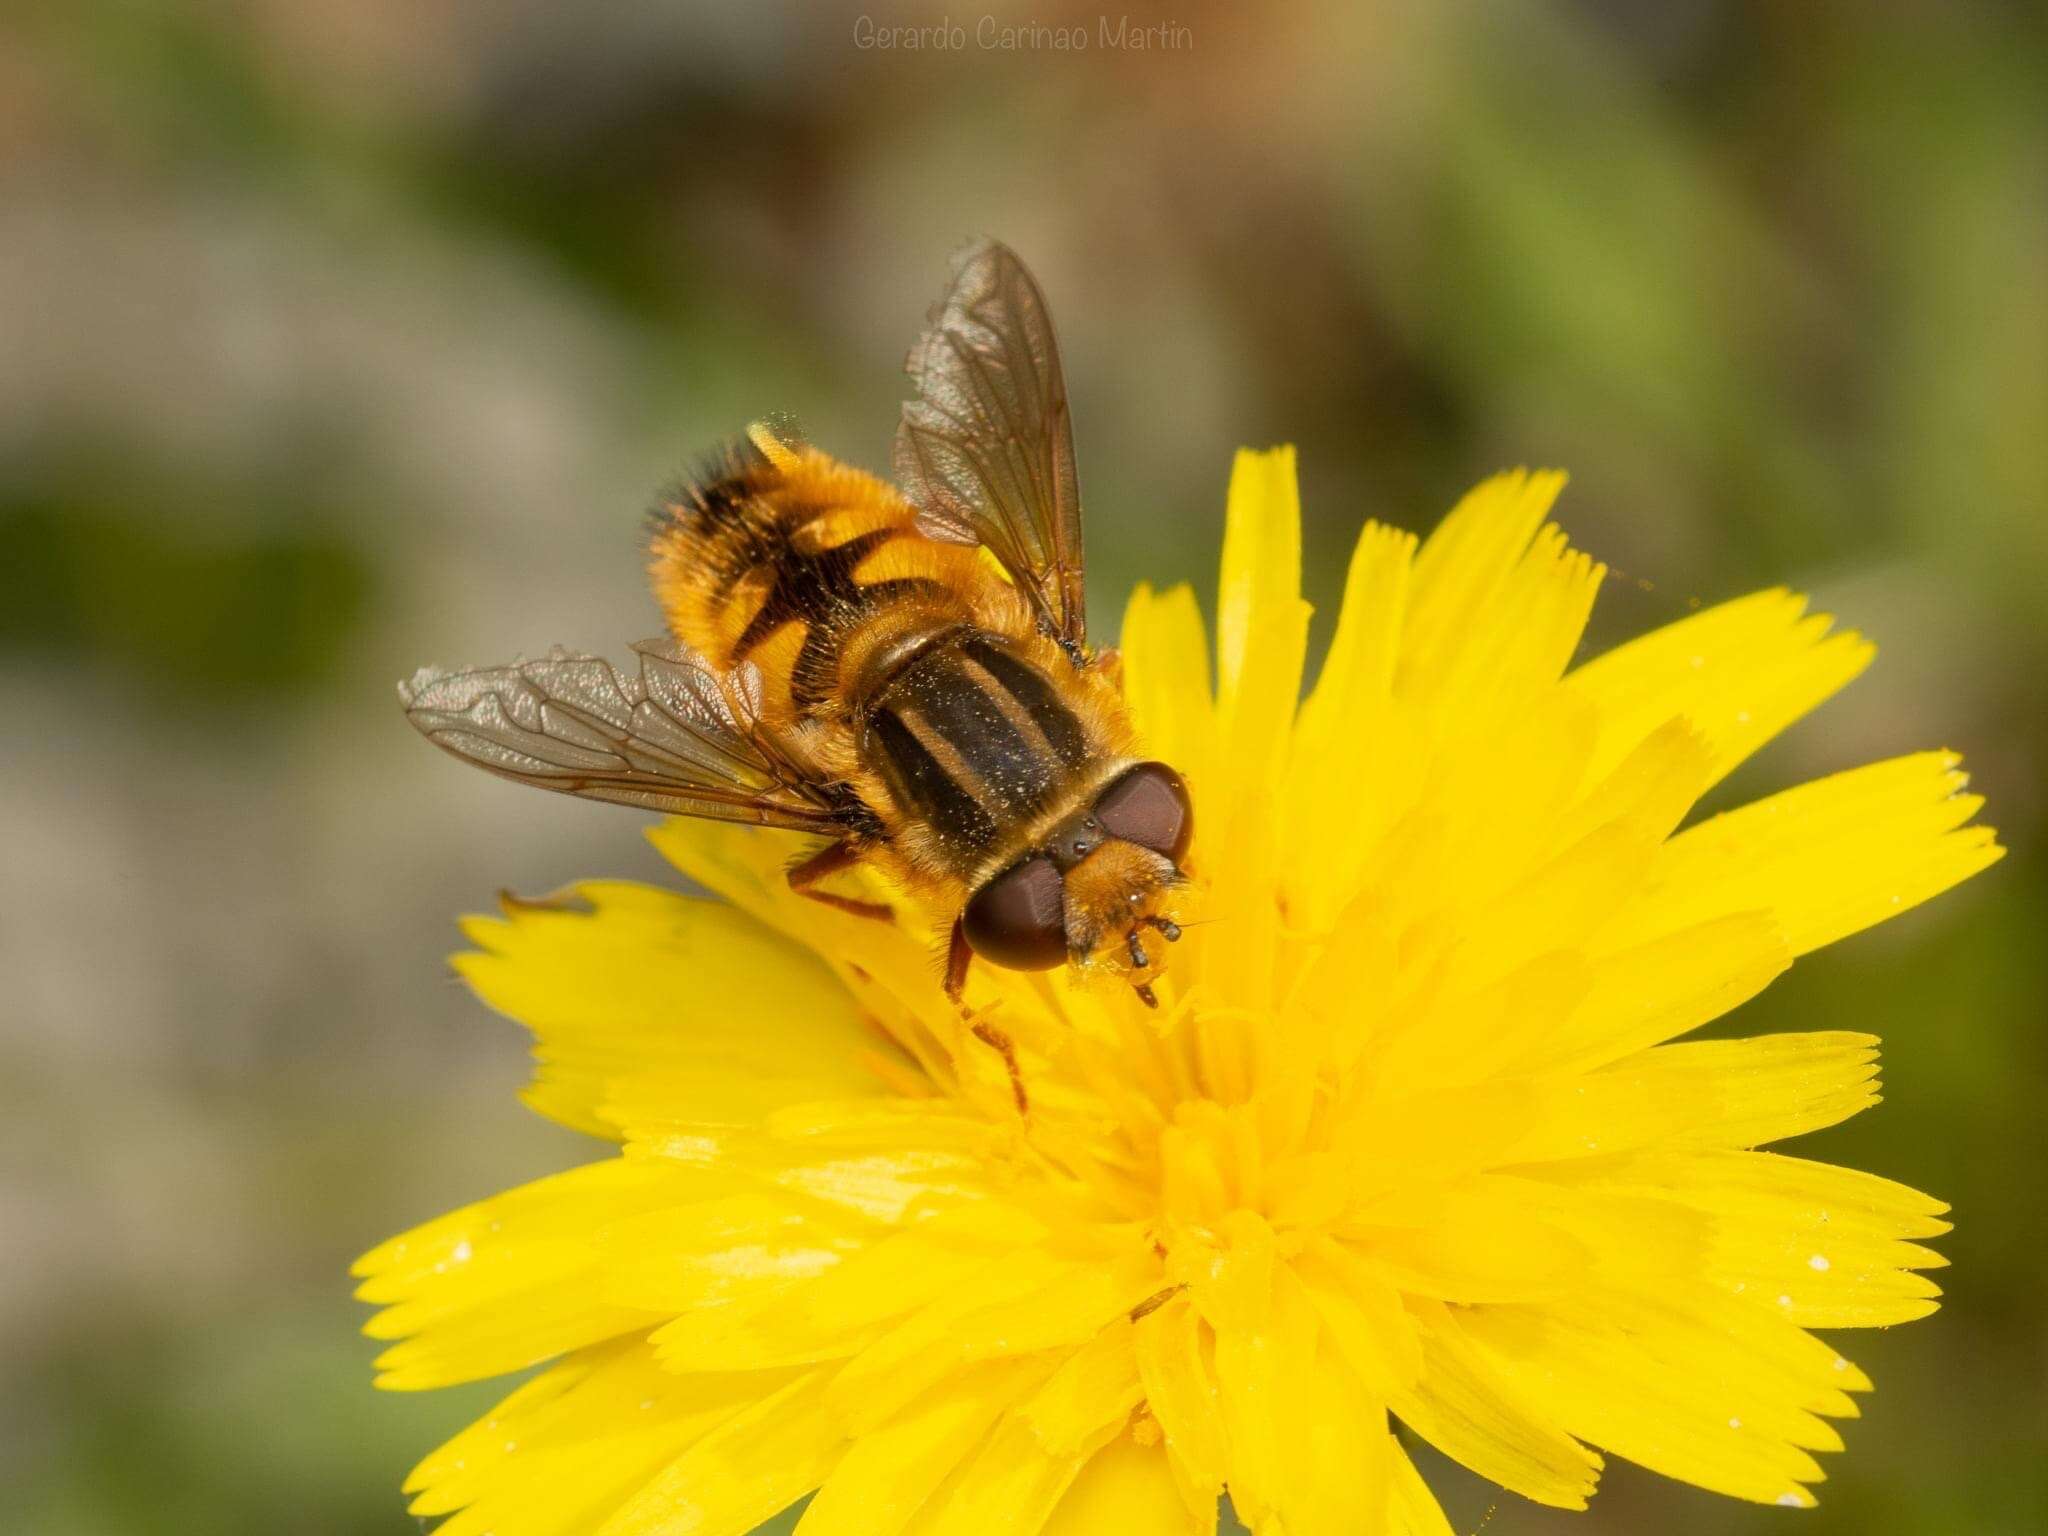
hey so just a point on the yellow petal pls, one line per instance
(1828, 1247)
(509, 1281)
(889, 1472)
(1261, 639)
(754, 1465)
(1827, 858)
(1499, 797)
(1558, 904)
(1464, 1034)
(742, 864)
(1231, 1281)
(1166, 680)
(1705, 1093)
(1530, 625)
(1180, 1388)
(1261, 621)
(1338, 1455)
(839, 1311)
(723, 1252)
(1358, 673)
(1009, 1488)
(1461, 572)
(1412, 1510)
(1476, 1414)
(1630, 1240)
(1343, 787)
(1362, 1314)
(1739, 673)
(734, 1019)
(1098, 1382)
(1713, 1393)
(1484, 1242)
(1030, 1301)
(880, 1185)
(884, 967)
(565, 1450)
(1126, 1490)
(563, 1206)
(1659, 989)
(1405, 1153)
(1263, 1354)
(1654, 786)
(1316, 1457)
(1024, 1469)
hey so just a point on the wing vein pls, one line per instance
(673, 738)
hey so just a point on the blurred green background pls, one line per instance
(338, 336)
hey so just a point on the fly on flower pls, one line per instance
(1420, 1140)
(845, 661)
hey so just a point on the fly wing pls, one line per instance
(669, 739)
(986, 451)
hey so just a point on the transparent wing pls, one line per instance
(666, 740)
(985, 451)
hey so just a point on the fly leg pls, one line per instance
(1006, 1048)
(1140, 957)
(958, 958)
(829, 860)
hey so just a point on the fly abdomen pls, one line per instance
(786, 560)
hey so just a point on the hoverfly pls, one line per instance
(845, 660)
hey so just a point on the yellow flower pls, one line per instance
(1407, 1140)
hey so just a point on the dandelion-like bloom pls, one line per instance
(1408, 1139)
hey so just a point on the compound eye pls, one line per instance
(1018, 920)
(1149, 806)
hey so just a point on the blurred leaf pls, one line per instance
(203, 611)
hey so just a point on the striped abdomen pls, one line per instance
(802, 566)
(974, 742)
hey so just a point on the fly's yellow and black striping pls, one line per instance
(954, 699)
(975, 740)
(938, 789)
(815, 589)
(821, 592)
(785, 559)
(1033, 694)
(915, 680)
